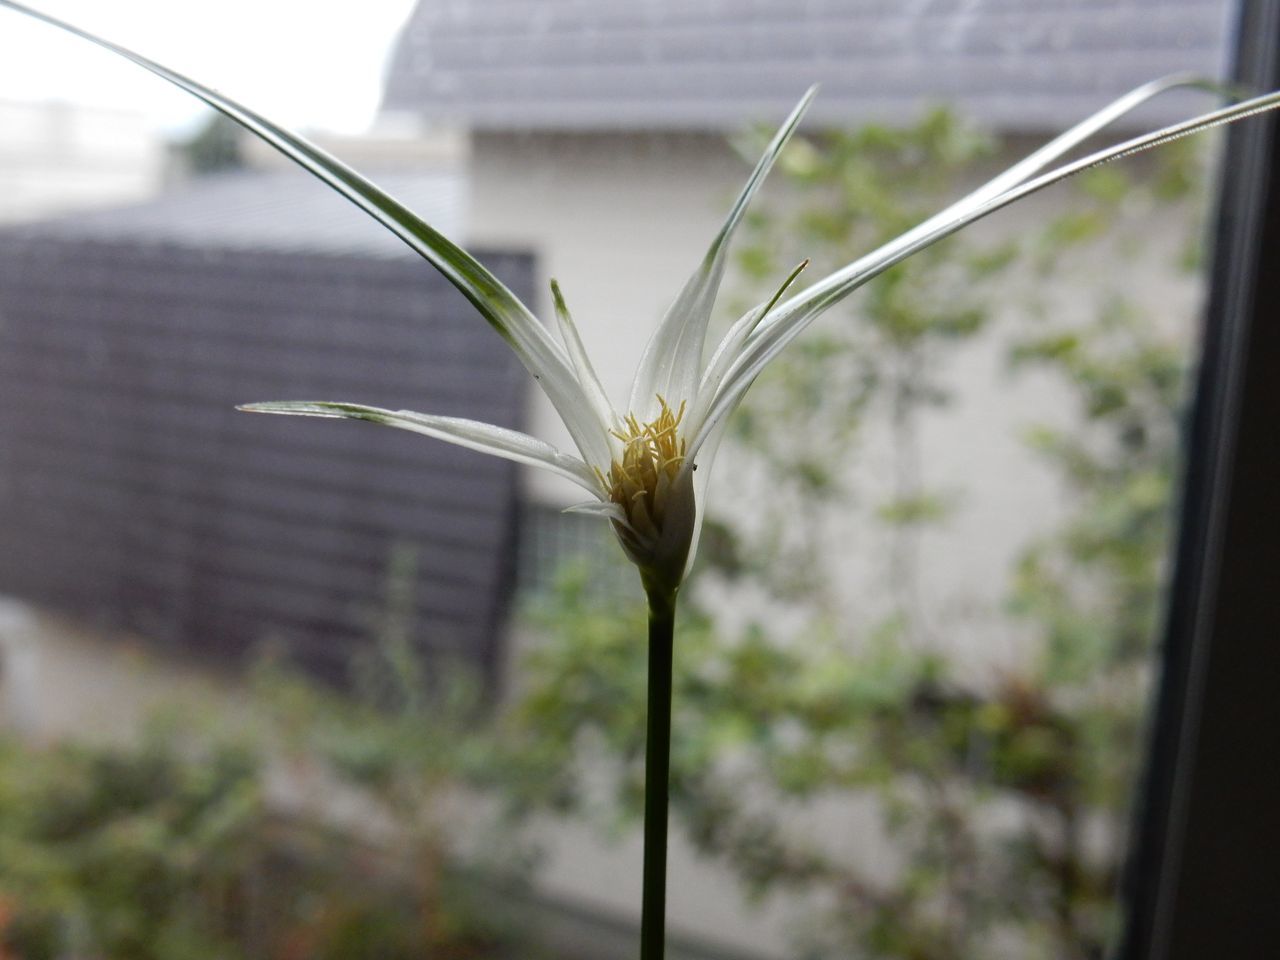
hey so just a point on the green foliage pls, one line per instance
(410, 728)
(215, 147)
(1005, 797)
(416, 741)
(132, 852)
(170, 850)
(174, 848)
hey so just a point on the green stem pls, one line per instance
(657, 766)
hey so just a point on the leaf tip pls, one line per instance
(558, 298)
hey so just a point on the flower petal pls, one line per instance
(530, 341)
(706, 452)
(587, 378)
(484, 437)
(605, 509)
(672, 360)
(1095, 123)
(798, 312)
(728, 351)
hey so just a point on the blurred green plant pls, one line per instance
(314, 825)
(171, 850)
(1004, 798)
(217, 146)
(416, 740)
(127, 853)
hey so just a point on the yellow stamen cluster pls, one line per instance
(641, 483)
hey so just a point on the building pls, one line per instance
(599, 132)
(599, 140)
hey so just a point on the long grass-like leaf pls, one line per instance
(473, 434)
(728, 352)
(1059, 146)
(798, 312)
(531, 342)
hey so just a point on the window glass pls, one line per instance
(917, 647)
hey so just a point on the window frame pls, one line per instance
(1202, 879)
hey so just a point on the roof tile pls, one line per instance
(1023, 65)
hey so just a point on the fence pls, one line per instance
(132, 493)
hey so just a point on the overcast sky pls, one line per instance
(303, 63)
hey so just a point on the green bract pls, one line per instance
(638, 465)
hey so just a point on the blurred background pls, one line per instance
(274, 688)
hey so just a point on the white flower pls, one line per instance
(640, 465)
(646, 467)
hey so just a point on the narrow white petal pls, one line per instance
(672, 360)
(705, 457)
(587, 379)
(798, 312)
(484, 437)
(1095, 123)
(1036, 161)
(730, 347)
(728, 351)
(599, 508)
(571, 399)
(604, 509)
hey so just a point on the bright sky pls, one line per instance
(306, 64)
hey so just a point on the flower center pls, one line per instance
(642, 481)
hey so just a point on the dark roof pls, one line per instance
(1018, 65)
(281, 211)
(132, 491)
